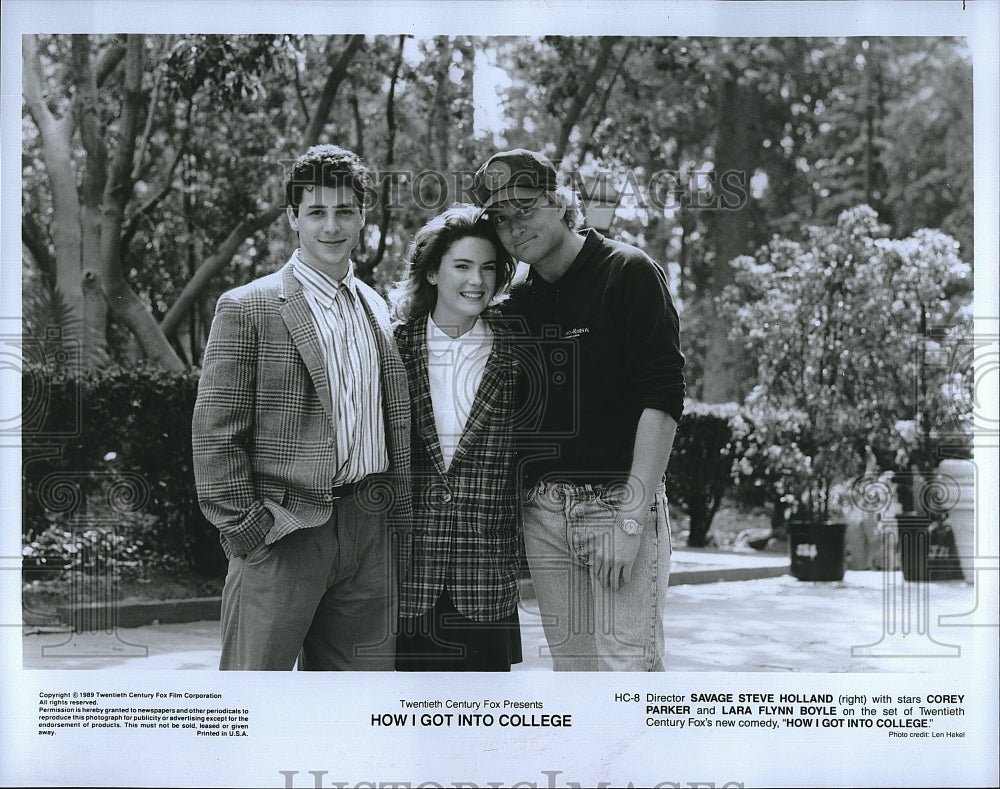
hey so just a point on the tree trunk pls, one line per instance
(734, 154)
(86, 111)
(442, 107)
(338, 73)
(125, 305)
(55, 134)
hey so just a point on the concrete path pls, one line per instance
(870, 622)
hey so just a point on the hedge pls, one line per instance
(111, 451)
(698, 475)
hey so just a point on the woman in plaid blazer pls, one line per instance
(458, 598)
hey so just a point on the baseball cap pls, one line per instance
(518, 174)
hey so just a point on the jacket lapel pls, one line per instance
(498, 366)
(416, 360)
(299, 321)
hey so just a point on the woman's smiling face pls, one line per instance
(466, 281)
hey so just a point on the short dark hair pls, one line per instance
(327, 165)
(413, 296)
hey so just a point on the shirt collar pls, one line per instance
(439, 343)
(322, 286)
(591, 240)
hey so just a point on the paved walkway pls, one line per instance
(768, 621)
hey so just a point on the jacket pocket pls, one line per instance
(276, 494)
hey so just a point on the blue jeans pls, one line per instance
(589, 627)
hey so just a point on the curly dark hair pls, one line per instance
(328, 165)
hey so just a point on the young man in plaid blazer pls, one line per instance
(301, 443)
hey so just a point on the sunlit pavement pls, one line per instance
(869, 622)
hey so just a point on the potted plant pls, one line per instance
(934, 451)
(803, 464)
(832, 322)
(933, 442)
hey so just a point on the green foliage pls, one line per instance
(698, 473)
(112, 450)
(771, 454)
(100, 551)
(822, 124)
(230, 67)
(929, 163)
(835, 323)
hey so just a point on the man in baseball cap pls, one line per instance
(601, 344)
(518, 176)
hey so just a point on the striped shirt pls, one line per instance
(455, 370)
(352, 366)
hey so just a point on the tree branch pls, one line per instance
(122, 300)
(132, 227)
(602, 106)
(583, 94)
(299, 94)
(119, 182)
(108, 60)
(212, 266)
(390, 119)
(337, 75)
(150, 114)
(359, 125)
(88, 121)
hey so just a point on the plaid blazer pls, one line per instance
(465, 519)
(264, 435)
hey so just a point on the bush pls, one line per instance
(698, 474)
(833, 322)
(111, 449)
(91, 551)
(771, 452)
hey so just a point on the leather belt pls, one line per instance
(343, 491)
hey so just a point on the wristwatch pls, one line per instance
(630, 526)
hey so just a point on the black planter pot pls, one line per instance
(817, 550)
(925, 555)
(913, 533)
